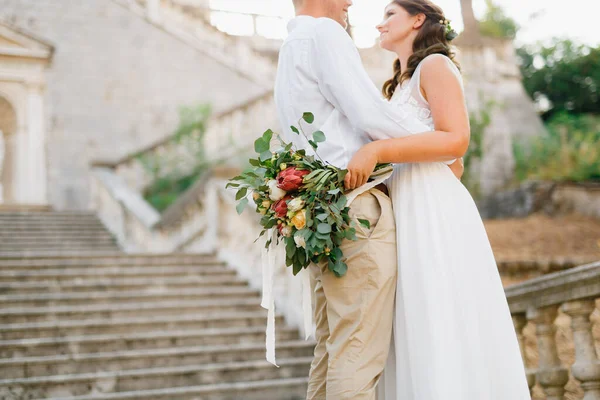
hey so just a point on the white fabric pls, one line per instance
(320, 71)
(453, 336)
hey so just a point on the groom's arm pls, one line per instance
(344, 82)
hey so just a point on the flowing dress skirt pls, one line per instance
(453, 334)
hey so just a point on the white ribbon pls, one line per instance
(270, 263)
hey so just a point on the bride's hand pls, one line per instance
(458, 168)
(361, 166)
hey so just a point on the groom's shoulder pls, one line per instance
(326, 28)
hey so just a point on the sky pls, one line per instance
(540, 20)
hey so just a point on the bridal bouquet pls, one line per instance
(302, 197)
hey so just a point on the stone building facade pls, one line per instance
(104, 81)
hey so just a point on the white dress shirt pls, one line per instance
(320, 71)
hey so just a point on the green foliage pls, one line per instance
(569, 152)
(495, 23)
(301, 196)
(479, 122)
(169, 179)
(565, 73)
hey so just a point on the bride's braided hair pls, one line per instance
(433, 38)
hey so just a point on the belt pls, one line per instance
(383, 188)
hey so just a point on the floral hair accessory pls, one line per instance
(450, 32)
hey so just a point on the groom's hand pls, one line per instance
(361, 166)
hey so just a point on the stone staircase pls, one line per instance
(145, 327)
(39, 232)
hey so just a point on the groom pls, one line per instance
(320, 71)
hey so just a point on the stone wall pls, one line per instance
(548, 197)
(115, 85)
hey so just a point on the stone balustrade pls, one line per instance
(573, 294)
(191, 24)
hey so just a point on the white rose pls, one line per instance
(286, 231)
(275, 193)
(300, 241)
(296, 204)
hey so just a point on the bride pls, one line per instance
(453, 336)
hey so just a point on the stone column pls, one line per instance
(519, 321)
(2, 153)
(36, 145)
(551, 375)
(586, 368)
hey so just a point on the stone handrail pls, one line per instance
(140, 228)
(573, 292)
(190, 27)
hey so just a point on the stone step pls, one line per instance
(155, 293)
(120, 284)
(131, 325)
(114, 258)
(56, 238)
(63, 245)
(278, 389)
(213, 306)
(153, 378)
(9, 224)
(74, 274)
(53, 253)
(49, 229)
(27, 367)
(35, 347)
(60, 249)
(33, 216)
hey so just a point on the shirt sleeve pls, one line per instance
(344, 82)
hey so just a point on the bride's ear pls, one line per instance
(419, 20)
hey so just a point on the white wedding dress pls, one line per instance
(453, 337)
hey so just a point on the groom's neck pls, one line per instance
(310, 8)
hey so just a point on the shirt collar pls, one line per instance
(293, 24)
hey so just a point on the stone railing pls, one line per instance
(227, 134)
(140, 228)
(190, 24)
(542, 307)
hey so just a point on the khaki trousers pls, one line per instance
(354, 314)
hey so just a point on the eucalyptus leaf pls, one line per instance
(260, 145)
(241, 206)
(324, 228)
(241, 193)
(267, 136)
(295, 130)
(340, 269)
(364, 222)
(313, 144)
(322, 217)
(308, 117)
(319, 137)
(264, 156)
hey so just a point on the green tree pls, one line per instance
(496, 23)
(565, 73)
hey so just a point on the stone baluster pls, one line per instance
(586, 368)
(520, 321)
(551, 375)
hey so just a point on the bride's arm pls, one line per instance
(443, 90)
